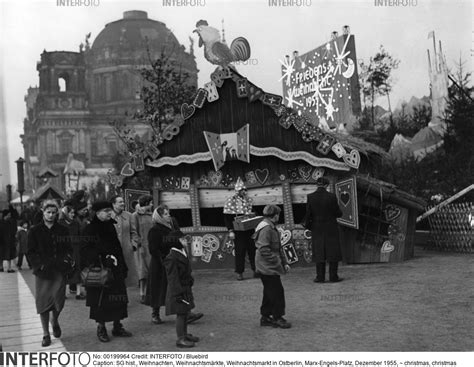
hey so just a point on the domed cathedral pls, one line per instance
(67, 128)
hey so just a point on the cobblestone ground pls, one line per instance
(424, 304)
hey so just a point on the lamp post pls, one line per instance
(9, 193)
(21, 179)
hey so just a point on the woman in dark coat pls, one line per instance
(67, 219)
(159, 246)
(8, 228)
(102, 246)
(48, 248)
(179, 295)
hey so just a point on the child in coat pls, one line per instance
(22, 243)
(179, 295)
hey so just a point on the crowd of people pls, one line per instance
(146, 249)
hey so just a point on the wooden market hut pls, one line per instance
(234, 130)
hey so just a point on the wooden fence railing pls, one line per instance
(452, 228)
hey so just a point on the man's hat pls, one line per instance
(322, 181)
(79, 205)
(100, 205)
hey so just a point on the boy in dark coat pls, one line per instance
(322, 211)
(179, 295)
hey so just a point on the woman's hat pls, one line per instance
(79, 205)
(101, 205)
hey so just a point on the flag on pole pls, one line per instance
(431, 35)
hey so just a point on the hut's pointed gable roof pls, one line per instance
(227, 104)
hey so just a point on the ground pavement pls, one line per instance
(424, 304)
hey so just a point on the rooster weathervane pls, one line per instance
(216, 51)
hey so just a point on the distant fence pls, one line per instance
(452, 228)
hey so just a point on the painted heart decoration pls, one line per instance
(352, 159)
(187, 111)
(254, 93)
(387, 247)
(392, 212)
(215, 177)
(262, 175)
(285, 236)
(127, 170)
(204, 180)
(305, 171)
(317, 173)
(345, 198)
(286, 121)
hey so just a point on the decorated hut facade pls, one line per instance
(235, 129)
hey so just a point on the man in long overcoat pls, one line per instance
(127, 235)
(322, 211)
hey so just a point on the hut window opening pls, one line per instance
(373, 227)
(212, 217)
(211, 206)
(299, 213)
(179, 203)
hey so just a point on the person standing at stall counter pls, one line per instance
(322, 211)
(240, 204)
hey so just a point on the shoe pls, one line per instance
(1, 270)
(10, 271)
(194, 317)
(336, 280)
(316, 280)
(46, 341)
(57, 331)
(183, 343)
(80, 296)
(191, 338)
(282, 323)
(142, 300)
(120, 331)
(19, 267)
(240, 276)
(267, 321)
(102, 334)
(256, 275)
(156, 319)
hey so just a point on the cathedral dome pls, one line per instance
(121, 49)
(132, 32)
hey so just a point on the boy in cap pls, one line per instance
(179, 295)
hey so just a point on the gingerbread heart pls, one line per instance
(187, 111)
(387, 247)
(262, 175)
(305, 171)
(352, 159)
(204, 181)
(392, 212)
(254, 92)
(285, 235)
(215, 177)
(317, 173)
(287, 120)
(127, 170)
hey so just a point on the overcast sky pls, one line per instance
(29, 27)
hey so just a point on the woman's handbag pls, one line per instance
(97, 276)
